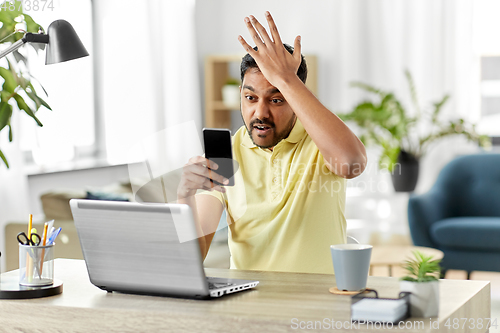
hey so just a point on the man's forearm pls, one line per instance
(344, 153)
(191, 202)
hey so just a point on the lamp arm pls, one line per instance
(12, 48)
(27, 38)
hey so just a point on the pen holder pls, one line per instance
(36, 265)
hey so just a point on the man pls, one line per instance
(287, 206)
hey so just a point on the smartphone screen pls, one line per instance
(218, 149)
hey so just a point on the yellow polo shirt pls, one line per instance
(286, 207)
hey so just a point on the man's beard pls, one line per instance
(277, 137)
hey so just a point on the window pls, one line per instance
(487, 49)
(69, 130)
(490, 85)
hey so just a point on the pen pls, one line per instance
(54, 235)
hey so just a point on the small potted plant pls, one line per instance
(422, 282)
(231, 93)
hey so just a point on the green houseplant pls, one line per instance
(423, 284)
(401, 135)
(18, 91)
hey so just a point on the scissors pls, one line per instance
(34, 240)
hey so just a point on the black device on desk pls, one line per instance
(367, 306)
(218, 149)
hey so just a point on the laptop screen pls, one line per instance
(137, 247)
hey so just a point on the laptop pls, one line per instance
(146, 248)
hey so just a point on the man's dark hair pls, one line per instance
(248, 62)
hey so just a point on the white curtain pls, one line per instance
(173, 25)
(148, 70)
(376, 40)
(13, 185)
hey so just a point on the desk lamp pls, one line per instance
(63, 43)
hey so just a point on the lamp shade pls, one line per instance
(64, 43)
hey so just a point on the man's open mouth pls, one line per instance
(262, 129)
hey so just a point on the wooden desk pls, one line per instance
(281, 302)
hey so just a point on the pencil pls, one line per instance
(30, 226)
(44, 239)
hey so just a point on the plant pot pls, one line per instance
(405, 173)
(231, 95)
(424, 298)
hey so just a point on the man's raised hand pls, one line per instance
(274, 61)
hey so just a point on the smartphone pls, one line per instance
(218, 149)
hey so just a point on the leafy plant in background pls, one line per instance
(386, 123)
(17, 91)
(231, 81)
(422, 269)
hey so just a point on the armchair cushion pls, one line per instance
(472, 185)
(467, 233)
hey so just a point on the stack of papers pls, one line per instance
(377, 309)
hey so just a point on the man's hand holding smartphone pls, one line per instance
(199, 174)
(212, 171)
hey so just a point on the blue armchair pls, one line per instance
(460, 215)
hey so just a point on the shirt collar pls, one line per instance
(295, 135)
